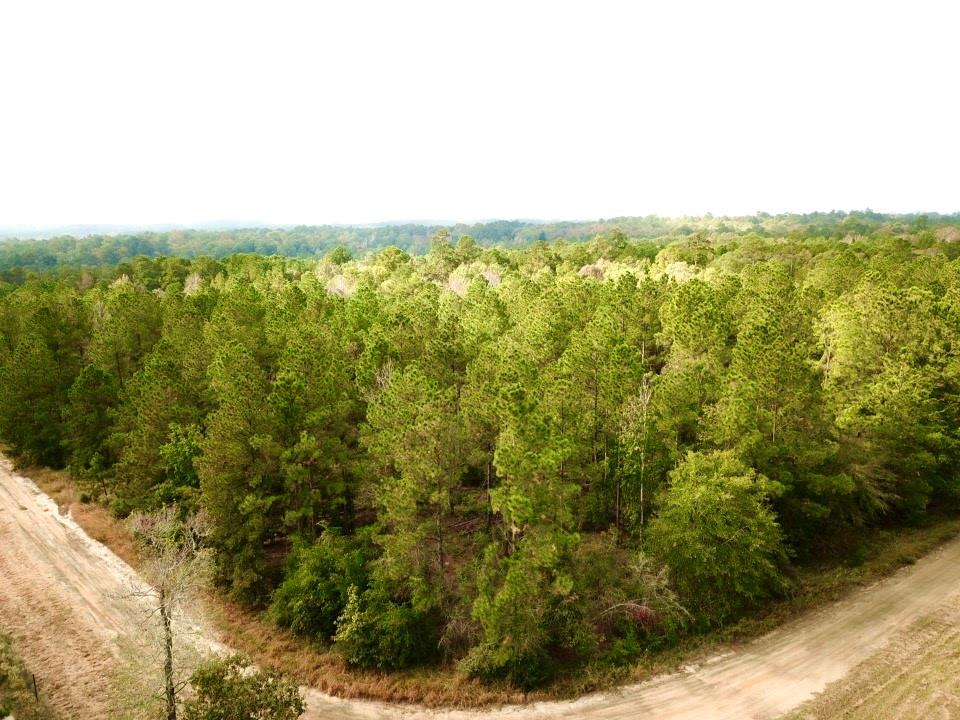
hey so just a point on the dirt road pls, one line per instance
(55, 587)
(915, 675)
(61, 598)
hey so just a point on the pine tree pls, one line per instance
(239, 473)
(413, 437)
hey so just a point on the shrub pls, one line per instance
(231, 689)
(566, 638)
(526, 670)
(374, 631)
(315, 591)
(625, 649)
(627, 596)
(529, 615)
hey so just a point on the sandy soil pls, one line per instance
(916, 676)
(62, 598)
(56, 609)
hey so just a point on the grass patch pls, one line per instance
(245, 630)
(16, 687)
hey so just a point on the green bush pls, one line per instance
(374, 631)
(525, 670)
(315, 591)
(531, 618)
(628, 596)
(624, 650)
(120, 507)
(231, 689)
(718, 536)
(566, 639)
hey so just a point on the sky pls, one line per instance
(359, 112)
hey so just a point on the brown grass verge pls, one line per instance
(314, 665)
(317, 667)
(95, 519)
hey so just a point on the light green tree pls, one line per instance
(719, 538)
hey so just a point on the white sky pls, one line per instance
(313, 112)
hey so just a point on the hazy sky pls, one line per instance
(313, 112)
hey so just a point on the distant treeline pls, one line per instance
(20, 255)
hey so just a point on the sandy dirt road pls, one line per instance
(54, 598)
(915, 675)
(61, 598)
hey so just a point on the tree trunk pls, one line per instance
(169, 691)
(116, 362)
(440, 558)
(489, 500)
(617, 521)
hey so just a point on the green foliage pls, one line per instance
(441, 448)
(716, 533)
(887, 352)
(375, 631)
(529, 615)
(143, 248)
(31, 404)
(232, 689)
(413, 436)
(88, 421)
(126, 324)
(314, 409)
(237, 470)
(339, 255)
(179, 453)
(317, 586)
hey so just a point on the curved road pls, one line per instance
(61, 597)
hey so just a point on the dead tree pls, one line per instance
(176, 566)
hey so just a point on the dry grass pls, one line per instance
(95, 519)
(314, 665)
(317, 667)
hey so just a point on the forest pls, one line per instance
(513, 459)
(98, 247)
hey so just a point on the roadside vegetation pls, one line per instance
(538, 467)
(881, 551)
(19, 697)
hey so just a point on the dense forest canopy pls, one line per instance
(517, 459)
(103, 249)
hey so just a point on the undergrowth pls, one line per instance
(883, 552)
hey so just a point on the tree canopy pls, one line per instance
(518, 459)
